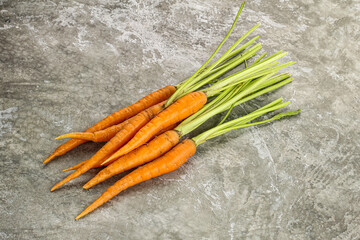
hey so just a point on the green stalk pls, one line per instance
(276, 82)
(237, 51)
(249, 76)
(247, 71)
(223, 107)
(191, 81)
(238, 60)
(196, 74)
(229, 61)
(259, 59)
(250, 52)
(263, 91)
(241, 122)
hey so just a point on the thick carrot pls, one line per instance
(169, 162)
(181, 109)
(109, 162)
(123, 136)
(98, 136)
(116, 118)
(144, 154)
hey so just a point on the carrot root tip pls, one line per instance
(49, 158)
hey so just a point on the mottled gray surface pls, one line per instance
(66, 65)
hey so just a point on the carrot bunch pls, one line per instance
(173, 158)
(149, 131)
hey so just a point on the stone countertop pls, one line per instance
(67, 64)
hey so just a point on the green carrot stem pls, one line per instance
(237, 51)
(248, 76)
(263, 91)
(238, 60)
(241, 122)
(259, 59)
(229, 60)
(246, 72)
(272, 56)
(195, 75)
(227, 114)
(224, 56)
(273, 81)
(223, 107)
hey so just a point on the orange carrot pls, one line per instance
(139, 156)
(116, 118)
(169, 162)
(181, 109)
(109, 162)
(123, 136)
(98, 136)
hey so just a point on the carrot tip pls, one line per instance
(81, 215)
(61, 137)
(86, 186)
(49, 158)
(55, 187)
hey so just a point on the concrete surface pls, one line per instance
(67, 64)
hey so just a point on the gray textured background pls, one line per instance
(66, 65)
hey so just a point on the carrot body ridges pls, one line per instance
(139, 156)
(117, 117)
(181, 109)
(130, 128)
(169, 162)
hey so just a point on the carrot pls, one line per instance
(146, 153)
(109, 162)
(169, 162)
(178, 155)
(181, 109)
(98, 136)
(116, 118)
(123, 136)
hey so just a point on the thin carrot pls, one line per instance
(116, 118)
(98, 136)
(146, 153)
(169, 162)
(181, 109)
(75, 166)
(130, 128)
(108, 163)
